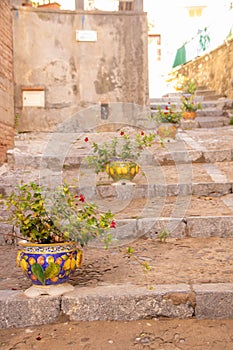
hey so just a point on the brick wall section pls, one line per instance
(6, 80)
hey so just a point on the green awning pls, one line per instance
(180, 57)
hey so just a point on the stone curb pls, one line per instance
(161, 190)
(118, 302)
(19, 160)
(125, 192)
(128, 229)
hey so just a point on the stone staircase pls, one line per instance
(184, 191)
(216, 109)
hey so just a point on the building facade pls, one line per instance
(72, 60)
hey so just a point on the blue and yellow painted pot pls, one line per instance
(48, 264)
(122, 170)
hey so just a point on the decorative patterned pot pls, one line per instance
(167, 130)
(122, 170)
(189, 115)
(48, 264)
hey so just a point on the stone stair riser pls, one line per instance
(33, 162)
(128, 230)
(121, 303)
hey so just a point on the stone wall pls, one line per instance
(6, 81)
(77, 74)
(213, 70)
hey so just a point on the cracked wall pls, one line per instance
(76, 74)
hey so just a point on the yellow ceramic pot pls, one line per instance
(122, 170)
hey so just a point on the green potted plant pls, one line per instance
(189, 105)
(168, 120)
(53, 230)
(119, 156)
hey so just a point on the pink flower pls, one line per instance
(113, 224)
(86, 139)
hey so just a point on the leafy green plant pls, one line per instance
(189, 86)
(231, 121)
(188, 97)
(189, 103)
(162, 236)
(124, 147)
(69, 218)
(168, 115)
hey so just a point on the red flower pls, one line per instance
(122, 133)
(82, 198)
(167, 108)
(113, 224)
(86, 139)
(142, 133)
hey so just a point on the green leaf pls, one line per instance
(52, 270)
(38, 272)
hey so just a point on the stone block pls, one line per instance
(189, 124)
(217, 156)
(214, 301)
(175, 227)
(125, 231)
(19, 311)
(211, 189)
(209, 226)
(128, 302)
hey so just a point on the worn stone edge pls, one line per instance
(118, 302)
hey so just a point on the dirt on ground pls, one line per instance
(187, 260)
(162, 334)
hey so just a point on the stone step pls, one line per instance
(191, 145)
(121, 303)
(208, 112)
(210, 97)
(164, 176)
(220, 103)
(176, 102)
(205, 122)
(204, 92)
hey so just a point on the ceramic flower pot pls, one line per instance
(167, 130)
(189, 115)
(122, 170)
(52, 5)
(48, 264)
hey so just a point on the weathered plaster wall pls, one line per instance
(6, 81)
(213, 70)
(75, 74)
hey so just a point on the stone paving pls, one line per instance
(191, 273)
